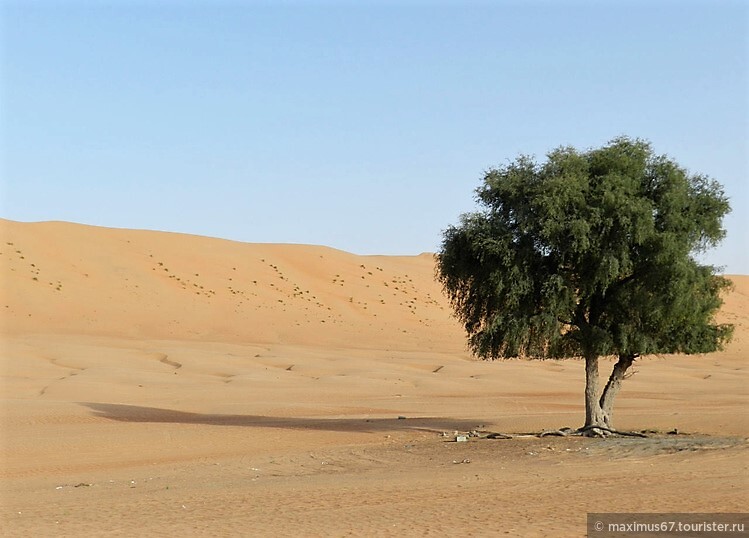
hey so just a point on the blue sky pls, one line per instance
(365, 126)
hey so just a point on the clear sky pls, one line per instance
(364, 126)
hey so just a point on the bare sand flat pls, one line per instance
(158, 384)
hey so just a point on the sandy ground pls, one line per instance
(158, 384)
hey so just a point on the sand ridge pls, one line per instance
(215, 388)
(67, 278)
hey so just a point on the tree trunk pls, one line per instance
(599, 408)
(593, 412)
(606, 403)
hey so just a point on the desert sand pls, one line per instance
(159, 384)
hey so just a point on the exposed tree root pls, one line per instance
(589, 431)
(561, 432)
(495, 435)
(601, 429)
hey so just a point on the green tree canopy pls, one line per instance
(588, 254)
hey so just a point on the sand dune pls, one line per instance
(157, 383)
(74, 279)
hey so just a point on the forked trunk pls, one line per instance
(599, 407)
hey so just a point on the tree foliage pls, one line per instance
(588, 254)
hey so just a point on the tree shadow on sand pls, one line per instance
(135, 413)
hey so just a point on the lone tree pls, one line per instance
(589, 254)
